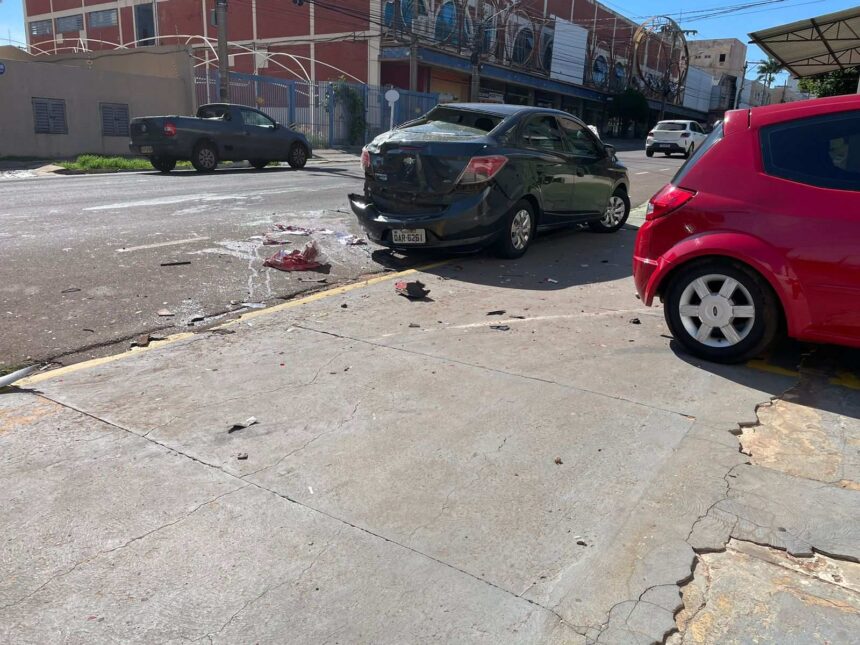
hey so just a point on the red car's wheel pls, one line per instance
(721, 311)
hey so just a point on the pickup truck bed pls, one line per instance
(219, 132)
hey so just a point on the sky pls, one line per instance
(735, 25)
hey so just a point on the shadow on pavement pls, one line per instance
(827, 375)
(327, 170)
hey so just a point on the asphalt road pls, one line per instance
(83, 256)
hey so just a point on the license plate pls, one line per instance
(408, 236)
(381, 176)
(146, 150)
(664, 145)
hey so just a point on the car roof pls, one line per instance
(778, 112)
(504, 109)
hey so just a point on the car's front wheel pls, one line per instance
(518, 231)
(298, 156)
(690, 151)
(721, 311)
(163, 164)
(649, 153)
(615, 215)
(205, 157)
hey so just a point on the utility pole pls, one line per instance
(413, 50)
(223, 58)
(477, 50)
(741, 88)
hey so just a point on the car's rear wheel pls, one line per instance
(259, 164)
(298, 156)
(518, 232)
(616, 214)
(205, 157)
(721, 311)
(690, 151)
(163, 164)
(649, 153)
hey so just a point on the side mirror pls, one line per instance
(610, 150)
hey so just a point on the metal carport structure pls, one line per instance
(815, 45)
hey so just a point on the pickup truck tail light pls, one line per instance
(365, 160)
(169, 130)
(667, 200)
(685, 135)
(481, 169)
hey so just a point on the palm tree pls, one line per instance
(768, 70)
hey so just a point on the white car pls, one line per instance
(674, 136)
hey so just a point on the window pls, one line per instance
(70, 23)
(821, 151)
(114, 119)
(98, 19)
(722, 58)
(713, 138)
(41, 28)
(579, 139)
(695, 127)
(465, 122)
(250, 117)
(542, 133)
(144, 24)
(670, 126)
(49, 116)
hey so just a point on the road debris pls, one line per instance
(519, 317)
(304, 260)
(558, 461)
(17, 375)
(196, 318)
(412, 290)
(500, 327)
(497, 312)
(242, 456)
(344, 306)
(582, 543)
(348, 239)
(175, 263)
(222, 331)
(253, 305)
(70, 290)
(241, 425)
(289, 229)
(552, 281)
(141, 341)
(635, 321)
(268, 240)
(164, 313)
(415, 325)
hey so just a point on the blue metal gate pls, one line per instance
(328, 113)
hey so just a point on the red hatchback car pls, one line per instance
(760, 231)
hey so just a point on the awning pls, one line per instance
(815, 45)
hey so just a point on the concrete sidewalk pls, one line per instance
(429, 472)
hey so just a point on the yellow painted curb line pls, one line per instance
(764, 366)
(175, 338)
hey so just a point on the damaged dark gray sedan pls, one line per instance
(468, 176)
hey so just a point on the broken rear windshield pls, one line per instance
(458, 122)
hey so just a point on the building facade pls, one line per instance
(719, 56)
(570, 54)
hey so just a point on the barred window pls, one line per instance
(49, 116)
(41, 28)
(70, 23)
(114, 119)
(105, 18)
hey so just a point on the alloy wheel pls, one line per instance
(521, 229)
(614, 212)
(299, 156)
(206, 158)
(717, 310)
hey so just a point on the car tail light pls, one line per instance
(685, 135)
(365, 159)
(169, 130)
(481, 169)
(668, 199)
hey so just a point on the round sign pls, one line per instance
(2, 69)
(392, 96)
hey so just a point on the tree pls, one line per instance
(630, 105)
(768, 70)
(831, 84)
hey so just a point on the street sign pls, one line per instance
(392, 96)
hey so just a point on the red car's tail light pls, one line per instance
(481, 169)
(169, 130)
(365, 159)
(685, 135)
(668, 199)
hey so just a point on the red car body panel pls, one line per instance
(803, 239)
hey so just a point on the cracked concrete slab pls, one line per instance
(202, 577)
(751, 593)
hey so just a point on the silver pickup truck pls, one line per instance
(219, 132)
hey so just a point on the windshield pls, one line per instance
(459, 122)
(709, 143)
(671, 127)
